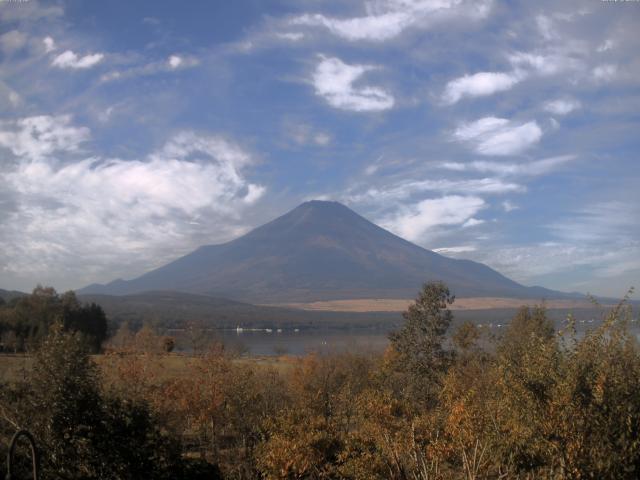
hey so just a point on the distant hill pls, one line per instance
(7, 295)
(320, 251)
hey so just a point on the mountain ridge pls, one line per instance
(319, 251)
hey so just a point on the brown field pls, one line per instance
(16, 367)
(400, 304)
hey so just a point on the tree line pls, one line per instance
(532, 403)
(25, 321)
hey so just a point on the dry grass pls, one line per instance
(16, 367)
(400, 304)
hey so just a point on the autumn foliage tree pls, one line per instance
(83, 432)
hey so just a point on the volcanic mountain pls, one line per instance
(319, 251)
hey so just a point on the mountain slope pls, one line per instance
(8, 295)
(319, 251)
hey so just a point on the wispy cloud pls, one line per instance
(598, 222)
(605, 73)
(498, 136)
(32, 11)
(545, 63)
(304, 134)
(533, 168)
(291, 36)
(9, 97)
(12, 41)
(172, 63)
(334, 81)
(455, 249)
(41, 136)
(595, 239)
(509, 206)
(406, 188)
(562, 106)
(386, 19)
(531, 263)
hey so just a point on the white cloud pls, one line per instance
(386, 19)
(562, 106)
(498, 136)
(88, 217)
(376, 28)
(334, 81)
(533, 168)
(254, 193)
(69, 59)
(49, 44)
(174, 61)
(478, 85)
(412, 223)
(41, 136)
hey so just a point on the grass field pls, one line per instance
(400, 304)
(17, 367)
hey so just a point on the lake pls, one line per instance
(300, 342)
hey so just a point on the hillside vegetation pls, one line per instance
(438, 404)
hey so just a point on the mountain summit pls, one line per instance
(319, 251)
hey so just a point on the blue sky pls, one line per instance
(504, 132)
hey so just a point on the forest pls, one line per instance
(437, 404)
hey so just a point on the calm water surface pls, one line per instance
(301, 342)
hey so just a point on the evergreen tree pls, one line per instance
(420, 341)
